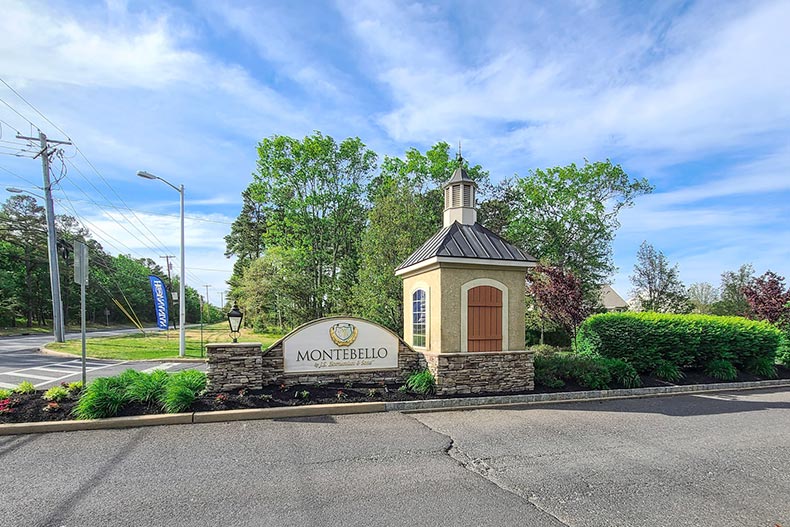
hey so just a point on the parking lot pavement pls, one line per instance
(45, 371)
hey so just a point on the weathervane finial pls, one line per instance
(459, 156)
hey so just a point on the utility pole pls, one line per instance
(222, 299)
(54, 270)
(170, 282)
(207, 286)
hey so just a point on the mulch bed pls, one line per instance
(32, 408)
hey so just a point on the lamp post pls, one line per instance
(234, 320)
(182, 339)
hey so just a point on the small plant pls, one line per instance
(148, 388)
(667, 371)
(282, 387)
(104, 397)
(25, 387)
(266, 397)
(178, 398)
(5, 406)
(52, 406)
(193, 379)
(243, 392)
(221, 398)
(349, 385)
(56, 394)
(304, 395)
(5, 394)
(623, 372)
(75, 387)
(421, 382)
(721, 369)
(372, 392)
(340, 395)
(762, 367)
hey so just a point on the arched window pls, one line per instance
(418, 318)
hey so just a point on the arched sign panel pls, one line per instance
(340, 344)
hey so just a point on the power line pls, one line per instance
(19, 114)
(35, 109)
(20, 177)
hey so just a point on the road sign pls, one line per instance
(80, 263)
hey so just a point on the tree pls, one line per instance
(768, 298)
(245, 240)
(702, 296)
(311, 195)
(733, 301)
(657, 285)
(559, 298)
(568, 216)
(407, 204)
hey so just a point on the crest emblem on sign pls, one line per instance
(343, 333)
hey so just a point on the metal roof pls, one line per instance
(459, 176)
(467, 241)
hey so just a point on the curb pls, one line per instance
(468, 403)
(561, 397)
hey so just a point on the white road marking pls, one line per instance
(163, 366)
(78, 372)
(26, 375)
(6, 385)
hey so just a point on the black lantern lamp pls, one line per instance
(234, 319)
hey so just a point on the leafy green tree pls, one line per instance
(311, 193)
(568, 217)
(657, 285)
(733, 301)
(245, 240)
(407, 205)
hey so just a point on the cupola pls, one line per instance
(459, 197)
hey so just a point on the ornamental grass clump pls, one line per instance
(421, 382)
(721, 369)
(667, 371)
(149, 388)
(182, 389)
(104, 397)
(5, 394)
(554, 369)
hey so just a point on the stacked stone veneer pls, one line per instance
(490, 372)
(244, 365)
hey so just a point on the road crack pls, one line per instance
(481, 468)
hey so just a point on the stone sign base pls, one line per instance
(245, 365)
(482, 372)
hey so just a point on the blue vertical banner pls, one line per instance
(160, 301)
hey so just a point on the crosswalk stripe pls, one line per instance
(27, 375)
(6, 385)
(163, 366)
(54, 370)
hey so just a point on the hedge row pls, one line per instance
(646, 339)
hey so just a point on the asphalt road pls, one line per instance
(21, 361)
(690, 460)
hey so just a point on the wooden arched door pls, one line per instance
(484, 319)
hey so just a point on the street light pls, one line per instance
(182, 337)
(234, 319)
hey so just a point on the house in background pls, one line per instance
(611, 300)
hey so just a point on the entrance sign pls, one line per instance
(340, 344)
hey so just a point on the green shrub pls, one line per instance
(761, 367)
(104, 397)
(178, 398)
(548, 371)
(56, 393)
(5, 394)
(421, 382)
(783, 353)
(25, 387)
(667, 371)
(148, 388)
(721, 369)
(623, 373)
(644, 339)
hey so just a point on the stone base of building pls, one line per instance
(244, 365)
(482, 372)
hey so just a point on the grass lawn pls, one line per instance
(158, 345)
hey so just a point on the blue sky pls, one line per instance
(695, 96)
